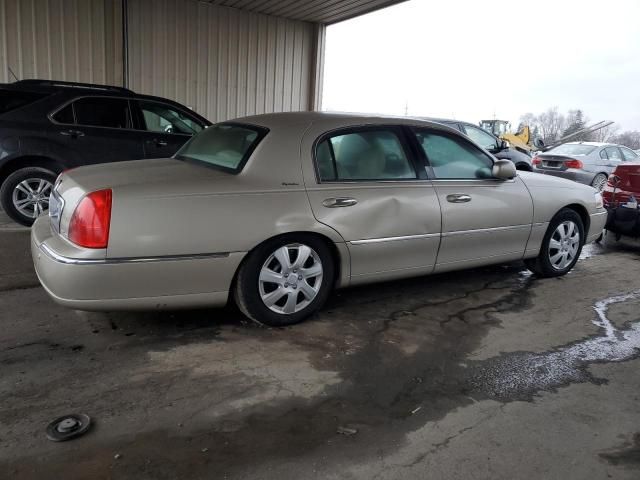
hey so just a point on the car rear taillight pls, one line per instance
(573, 163)
(536, 161)
(89, 225)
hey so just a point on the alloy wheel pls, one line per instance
(31, 196)
(599, 182)
(564, 245)
(290, 278)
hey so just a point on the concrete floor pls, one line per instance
(489, 373)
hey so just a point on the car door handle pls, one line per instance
(339, 202)
(158, 142)
(72, 133)
(458, 198)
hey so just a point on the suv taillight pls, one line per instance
(573, 163)
(89, 225)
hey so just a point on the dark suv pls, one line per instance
(47, 127)
(490, 142)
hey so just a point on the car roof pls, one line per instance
(337, 119)
(50, 86)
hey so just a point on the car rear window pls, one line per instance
(13, 99)
(227, 146)
(573, 149)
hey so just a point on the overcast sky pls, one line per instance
(472, 60)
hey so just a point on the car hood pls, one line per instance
(534, 179)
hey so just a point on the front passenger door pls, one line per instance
(484, 220)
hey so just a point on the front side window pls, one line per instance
(363, 155)
(614, 154)
(451, 157)
(102, 112)
(159, 117)
(482, 138)
(628, 154)
(225, 146)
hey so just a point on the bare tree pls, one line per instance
(629, 139)
(551, 124)
(604, 134)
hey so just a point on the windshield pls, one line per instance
(573, 149)
(227, 146)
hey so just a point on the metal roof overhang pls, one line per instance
(317, 11)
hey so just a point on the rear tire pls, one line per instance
(285, 280)
(24, 194)
(599, 181)
(561, 246)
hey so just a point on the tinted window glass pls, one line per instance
(573, 149)
(614, 154)
(159, 117)
(628, 154)
(482, 138)
(452, 157)
(223, 145)
(367, 155)
(65, 115)
(11, 99)
(103, 112)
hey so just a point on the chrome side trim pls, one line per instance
(113, 261)
(393, 239)
(486, 230)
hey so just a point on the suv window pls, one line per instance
(363, 155)
(102, 112)
(614, 154)
(65, 115)
(482, 138)
(12, 99)
(628, 154)
(160, 117)
(452, 157)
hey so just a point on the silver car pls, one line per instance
(275, 211)
(590, 163)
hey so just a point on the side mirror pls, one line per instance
(503, 144)
(503, 169)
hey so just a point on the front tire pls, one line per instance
(285, 280)
(24, 195)
(561, 246)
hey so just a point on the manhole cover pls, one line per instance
(68, 427)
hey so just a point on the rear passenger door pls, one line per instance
(165, 128)
(96, 130)
(365, 183)
(615, 158)
(484, 220)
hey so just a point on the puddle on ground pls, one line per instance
(591, 250)
(520, 375)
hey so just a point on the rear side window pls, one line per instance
(226, 146)
(364, 155)
(65, 115)
(103, 112)
(614, 154)
(12, 99)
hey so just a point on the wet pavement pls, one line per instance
(488, 373)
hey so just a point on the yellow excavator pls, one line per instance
(522, 139)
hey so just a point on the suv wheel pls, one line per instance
(24, 195)
(285, 280)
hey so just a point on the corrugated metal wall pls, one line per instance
(75, 40)
(221, 61)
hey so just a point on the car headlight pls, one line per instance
(599, 200)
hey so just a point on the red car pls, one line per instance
(625, 180)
